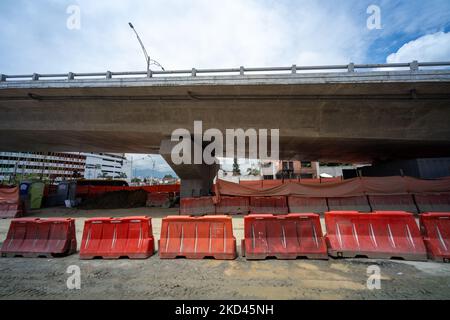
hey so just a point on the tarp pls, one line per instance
(346, 188)
(9, 195)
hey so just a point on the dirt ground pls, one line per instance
(22, 278)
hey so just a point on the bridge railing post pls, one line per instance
(2, 77)
(351, 67)
(414, 66)
(35, 77)
(108, 75)
(194, 72)
(241, 70)
(294, 69)
(71, 76)
(149, 73)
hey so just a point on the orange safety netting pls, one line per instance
(346, 188)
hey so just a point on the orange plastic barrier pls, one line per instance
(284, 237)
(349, 203)
(393, 203)
(113, 238)
(33, 237)
(9, 203)
(268, 205)
(305, 205)
(233, 205)
(383, 235)
(433, 202)
(160, 199)
(197, 238)
(197, 206)
(436, 231)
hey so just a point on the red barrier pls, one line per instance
(33, 237)
(197, 238)
(284, 237)
(233, 205)
(94, 191)
(197, 206)
(436, 231)
(268, 205)
(161, 199)
(393, 203)
(433, 202)
(9, 203)
(382, 235)
(349, 203)
(305, 205)
(113, 238)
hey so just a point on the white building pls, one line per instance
(107, 165)
(57, 166)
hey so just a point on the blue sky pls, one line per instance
(214, 33)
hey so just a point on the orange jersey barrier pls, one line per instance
(436, 231)
(197, 238)
(233, 205)
(197, 206)
(160, 199)
(393, 203)
(113, 238)
(284, 237)
(349, 203)
(9, 203)
(433, 202)
(382, 235)
(33, 237)
(306, 205)
(268, 205)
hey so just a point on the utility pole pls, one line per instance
(148, 61)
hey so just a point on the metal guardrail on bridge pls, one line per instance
(351, 67)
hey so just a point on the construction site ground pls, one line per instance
(41, 278)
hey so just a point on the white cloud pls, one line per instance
(431, 47)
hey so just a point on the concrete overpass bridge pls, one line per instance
(342, 113)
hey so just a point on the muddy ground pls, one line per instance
(22, 278)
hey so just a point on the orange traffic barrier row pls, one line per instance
(382, 235)
(113, 238)
(33, 237)
(197, 238)
(283, 237)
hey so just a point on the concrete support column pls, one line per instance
(196, 179)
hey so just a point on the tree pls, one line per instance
(236, 168)
(136, 180)
(253, 172)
